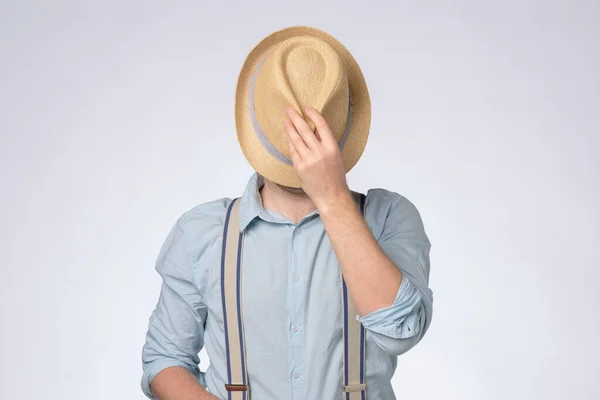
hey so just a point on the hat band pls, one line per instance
(263, 138)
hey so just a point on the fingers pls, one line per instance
(294, 155)
(322, 126)
(302, 128)
(295, 141)
(304, 144)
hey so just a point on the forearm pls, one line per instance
(372, 278)
(177, 383)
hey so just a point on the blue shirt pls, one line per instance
(291, 299)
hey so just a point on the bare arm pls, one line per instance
(395, 310)
(177, 383)
(372, 278)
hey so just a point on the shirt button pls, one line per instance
(296, 375)
(294, 328)
(296, 277)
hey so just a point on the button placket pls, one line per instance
(296, 316)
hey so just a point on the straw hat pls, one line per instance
(301, 67)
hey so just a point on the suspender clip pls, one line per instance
(355, 388)
(236, 388)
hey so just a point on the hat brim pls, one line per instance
(258, 157)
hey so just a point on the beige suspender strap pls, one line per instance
(237, 374)
(353, 373)
(354, 386)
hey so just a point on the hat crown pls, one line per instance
(301, 71)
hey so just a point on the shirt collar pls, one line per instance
(251, 205)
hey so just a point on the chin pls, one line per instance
(291, 189)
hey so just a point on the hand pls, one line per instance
(316, 158)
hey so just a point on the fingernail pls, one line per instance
(288, 110)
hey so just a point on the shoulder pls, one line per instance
(385, 202)
(202, 225)
(387, 210)
(195, 231)
(204, 215)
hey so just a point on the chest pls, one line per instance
(289, 279)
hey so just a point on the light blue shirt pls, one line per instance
(291, 299)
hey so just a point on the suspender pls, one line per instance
(353, 373)
(354, 339)
(231, 263)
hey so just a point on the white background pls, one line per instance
(117, 117)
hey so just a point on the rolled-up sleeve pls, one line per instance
(399, 327)
(175, 333)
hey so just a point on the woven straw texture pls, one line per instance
(302, 67)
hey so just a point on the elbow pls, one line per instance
(396, 346)
(151, 368)
(156, 358)
(397, 336)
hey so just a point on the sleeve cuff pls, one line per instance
(401, 320)
(152, 369)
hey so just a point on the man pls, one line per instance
(300, 289)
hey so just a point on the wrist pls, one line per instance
(339, 201)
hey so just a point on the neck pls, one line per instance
(293, 205)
